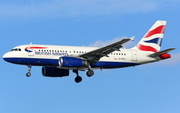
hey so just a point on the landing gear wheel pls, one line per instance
(28, 74)
(78, 79)
(90, 73)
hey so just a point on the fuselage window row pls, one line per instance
(17, 49)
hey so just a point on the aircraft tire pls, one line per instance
(78, 79)
(90, 73)
(28, 74)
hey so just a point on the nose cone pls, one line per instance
(7, 57)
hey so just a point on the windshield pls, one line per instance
(16, 49)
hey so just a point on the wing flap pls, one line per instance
(95, 55)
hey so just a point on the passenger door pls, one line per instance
(134, 55)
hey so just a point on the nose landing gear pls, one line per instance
(28, 74)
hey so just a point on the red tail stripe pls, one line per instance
(158, 30)
(146, 48)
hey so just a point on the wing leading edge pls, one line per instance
(95, 55)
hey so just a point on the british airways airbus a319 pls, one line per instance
(57, 61)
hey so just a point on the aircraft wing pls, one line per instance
(95, 55)
(161, 52)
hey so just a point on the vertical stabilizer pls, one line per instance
(153, 38)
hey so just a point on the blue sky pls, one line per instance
(150, 88)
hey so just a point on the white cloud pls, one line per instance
(100, 43)
(175, 59)
(71, 8)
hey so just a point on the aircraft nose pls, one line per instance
(6, 57)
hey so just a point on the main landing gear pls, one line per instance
(28, 74)
(79, 78)
(90, 73)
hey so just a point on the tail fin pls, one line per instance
(153, 38)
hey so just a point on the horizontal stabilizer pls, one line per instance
(161, 52)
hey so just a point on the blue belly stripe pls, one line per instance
(54, 62)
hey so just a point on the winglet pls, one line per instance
(132, 38)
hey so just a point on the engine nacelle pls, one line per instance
(54, 72)
(67, 61)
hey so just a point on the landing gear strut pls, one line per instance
(28, 74)
(78, 78)
(90, 73)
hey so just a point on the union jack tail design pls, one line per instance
(153, 38)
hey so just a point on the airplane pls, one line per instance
(57, 61)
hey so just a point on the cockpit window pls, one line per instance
(16, 49)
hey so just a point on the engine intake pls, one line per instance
(67, 61)
(54, 72)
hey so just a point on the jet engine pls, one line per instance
(54, 72)
(67, 61)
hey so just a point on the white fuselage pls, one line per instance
(48, 55)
